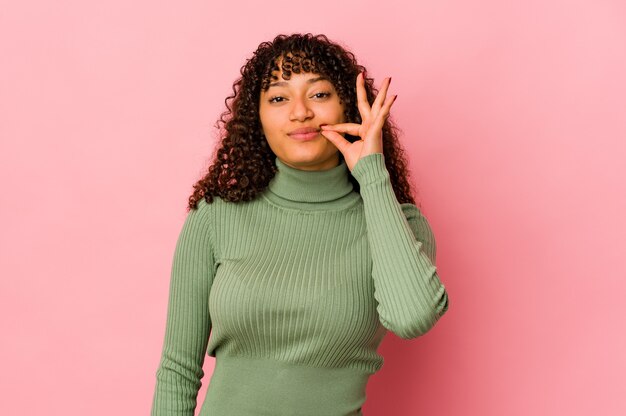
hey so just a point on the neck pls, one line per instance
(311, 190)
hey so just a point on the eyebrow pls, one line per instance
(310, 81)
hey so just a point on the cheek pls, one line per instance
(267, 120)
(333, 112)
(340, 114)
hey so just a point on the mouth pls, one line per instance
(305, 136)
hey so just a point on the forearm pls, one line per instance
(410, 295)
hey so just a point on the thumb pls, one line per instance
(337, 139)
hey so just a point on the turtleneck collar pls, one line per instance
(312, 190)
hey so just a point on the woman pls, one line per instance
(311, 252)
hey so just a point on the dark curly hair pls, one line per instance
(244, 164)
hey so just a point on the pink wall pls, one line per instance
(514, 115)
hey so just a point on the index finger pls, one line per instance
(350, 128)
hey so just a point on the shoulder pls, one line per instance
(216, 205)
(220, 213)
(203, 207)
(202, 215)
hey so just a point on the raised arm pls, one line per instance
(178, 377)
(410, 296)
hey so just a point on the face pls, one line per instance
(304, 101)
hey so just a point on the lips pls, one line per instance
(304, 130)
(304, 133)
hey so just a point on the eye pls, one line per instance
(323, 94)
(279, 99)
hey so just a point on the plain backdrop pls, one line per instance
(514, 120)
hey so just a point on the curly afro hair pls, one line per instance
(243, 163)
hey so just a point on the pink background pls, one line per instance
(514, 117)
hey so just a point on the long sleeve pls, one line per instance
(411, 298)
(178, 378)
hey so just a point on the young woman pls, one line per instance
(302, 246)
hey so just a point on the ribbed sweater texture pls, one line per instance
(293, 292)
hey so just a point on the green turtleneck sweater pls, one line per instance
(296, 289)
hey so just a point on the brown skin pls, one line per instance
(305, 100)
(243, 162)
(370, 130)
(298, 104)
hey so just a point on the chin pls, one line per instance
(307, 159)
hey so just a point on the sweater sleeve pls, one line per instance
(188, 321)
(411, 298)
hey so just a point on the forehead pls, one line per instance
(299, 70)
(303, 79)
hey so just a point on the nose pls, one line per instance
(300, 109)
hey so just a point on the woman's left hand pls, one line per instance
(371, 129)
